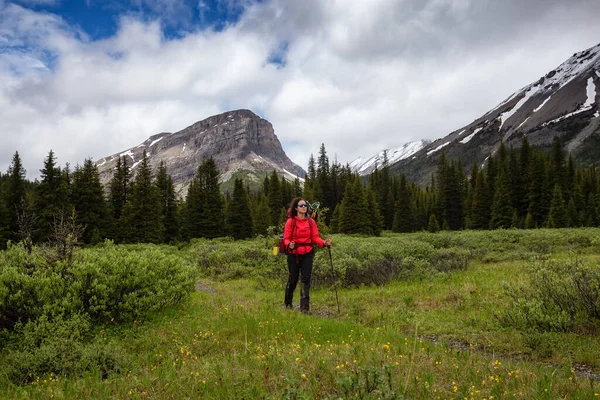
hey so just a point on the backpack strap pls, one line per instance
(287, 248)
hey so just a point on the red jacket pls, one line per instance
(301, 235)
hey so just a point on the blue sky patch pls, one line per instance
(99, 19)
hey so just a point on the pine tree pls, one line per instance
(570, 175)
(481, 203)
(538, 190)
(119, 191)
(515, 221)
(525, 176)
(558, 170)
(451, 200)
(502, 211)
(572, 215)
(14, 197)
(355, 215)
(50, 198)
(205, 204)
(324, 193)
(239, 219)
(404, 217)
(261, 219)
(310, 180)
(515, 181)
(297, 192)
(334, 225)
(502, 157)
(558, 211)
(470, 196)
(591, 211)
(87, 197)
(433, 224)
(530, 221)
(375, 219)
(141, 218)
(275, 198)
(214, 219)
(3, 218)
(491, 171)
(168, 201)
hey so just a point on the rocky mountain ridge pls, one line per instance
(240, 142)
(564, 102)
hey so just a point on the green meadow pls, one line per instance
(505, 314)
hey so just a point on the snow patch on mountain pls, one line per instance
(506, 115)
(591, 93)
(523, 123)
(441, 146)
(127, 153)
(573, 67)
(591, 99)
(468, 138)
(393, 156)
(156, 141)
(554, 80)
(538, 108)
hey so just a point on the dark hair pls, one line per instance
(293, 205)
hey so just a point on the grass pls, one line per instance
(424, 338)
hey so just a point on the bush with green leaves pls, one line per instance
(561, 296)
(59, 345)
(47, 308)
(106, 283)
(357, 260)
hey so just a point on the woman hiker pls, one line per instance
(298, 236)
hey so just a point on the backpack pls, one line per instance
(283, 249)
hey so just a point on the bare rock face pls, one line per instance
(240, 142)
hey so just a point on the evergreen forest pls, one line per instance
(522, 188)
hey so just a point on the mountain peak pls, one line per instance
(240, 142)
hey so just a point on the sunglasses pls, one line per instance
(302, 205)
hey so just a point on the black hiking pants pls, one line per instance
(299, 266)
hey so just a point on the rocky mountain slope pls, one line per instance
(365, 167)
(564, 102)
(241, 143)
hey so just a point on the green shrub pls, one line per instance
(47, 308)
(561, 296)
(58, 346)
(114, 283)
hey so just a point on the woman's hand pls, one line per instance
(327, 242)
(292, 245)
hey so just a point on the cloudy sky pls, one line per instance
(89, 78)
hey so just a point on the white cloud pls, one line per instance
(358, 77)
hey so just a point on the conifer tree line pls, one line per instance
(522, 188)
(516, 188)
(137, 208)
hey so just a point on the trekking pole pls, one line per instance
(337, 300)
